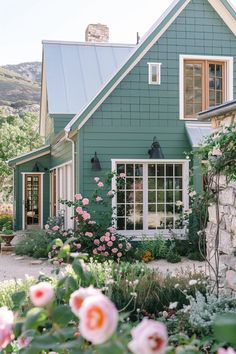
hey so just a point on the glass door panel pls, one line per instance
(32, 200)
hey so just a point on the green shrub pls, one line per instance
(4, 218)
(35, 244)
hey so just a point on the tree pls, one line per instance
(17, 135)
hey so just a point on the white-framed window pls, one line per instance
(205, 81)
(61, 188)
(146, 205)
(154, 73)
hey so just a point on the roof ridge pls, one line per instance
(100, 44)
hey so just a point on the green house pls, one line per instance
(114, 99)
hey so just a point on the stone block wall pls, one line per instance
(227, 213)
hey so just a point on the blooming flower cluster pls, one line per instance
(6, 326)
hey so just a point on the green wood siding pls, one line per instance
(61, 153)
(125, 124)
(18, 193)
(55, 123)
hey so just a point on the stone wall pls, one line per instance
(227, 215)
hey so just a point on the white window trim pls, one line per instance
(151, 233)
(150, 81)
(229, 67)
(62, 189)
(23, 197)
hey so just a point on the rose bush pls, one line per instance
(94, 232)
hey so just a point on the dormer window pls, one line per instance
(154, 73)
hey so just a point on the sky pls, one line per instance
(25, 23)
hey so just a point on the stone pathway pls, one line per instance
(186, 265)
(16, 267)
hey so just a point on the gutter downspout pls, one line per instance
(73, 161)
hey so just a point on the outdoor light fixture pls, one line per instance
(155, 152)
(36, 167)
(95, 163)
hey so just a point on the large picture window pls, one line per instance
(147, 201)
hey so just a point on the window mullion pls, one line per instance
(145, 197)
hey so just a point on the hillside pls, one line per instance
(20, 89)
(29, 70)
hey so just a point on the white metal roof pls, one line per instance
(76, 71)
(197, 131)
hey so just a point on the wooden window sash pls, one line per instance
(205, 83)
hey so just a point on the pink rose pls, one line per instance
(226, 351)
(102, 238)
(110, 194)
(86, 215)
(96, 242)
(148, 337)
(113, 238)
(78, 245)
(100, 184)
(77, 298)
(122, 175)
(23, 341)
(46, 226)
(114, 250)
(6, 324)
(103, 247)
(119, 254)
(106, 254)
(85, 201)
(79, 210)
(78, 196)
(120, 245)
(95, 251)
(112, 230)
(106, 238)
(55, 228)
(96, 179)
(92, 222)
(98, 319)
(41, 294)
(109, 243)
(107, 234)
(89, 234)
(98, 199)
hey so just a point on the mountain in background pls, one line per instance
(20, 88)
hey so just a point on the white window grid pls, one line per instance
(137, 231)
(154, 73)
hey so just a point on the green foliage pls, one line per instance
(35, 244)
(17, 135)
(5, 218)
(220, 150)
(10, 289)
(225, 328)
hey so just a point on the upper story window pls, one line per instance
(204, 82)
(204, 85)
(154, 73)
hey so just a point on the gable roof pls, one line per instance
(43, 150)
(224, 9)
(74, 72)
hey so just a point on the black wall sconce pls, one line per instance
(95, 163)
(38, 167)
(155, 152)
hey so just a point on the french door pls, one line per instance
(33, 202)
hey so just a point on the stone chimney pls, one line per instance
(97, 33)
